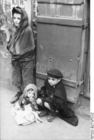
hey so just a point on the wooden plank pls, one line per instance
(72, 2)
(60, 21)
(64, 11)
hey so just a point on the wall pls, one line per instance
(9, 4)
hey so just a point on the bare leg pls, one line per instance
(52, 114)
(47, 106)
(43, 112)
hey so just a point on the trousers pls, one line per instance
(23, 72)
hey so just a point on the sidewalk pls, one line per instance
(56, 130)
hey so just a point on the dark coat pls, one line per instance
(56, 96)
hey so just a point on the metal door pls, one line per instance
(62, 42)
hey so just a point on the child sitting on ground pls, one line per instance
(25, 109)
(29, 97)
(52, 97)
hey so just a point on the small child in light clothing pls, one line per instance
(29, 97)
(25, 109)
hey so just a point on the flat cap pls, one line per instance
(54, 73)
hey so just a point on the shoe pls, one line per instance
(16, 98)
(43, 113)
(51, 116)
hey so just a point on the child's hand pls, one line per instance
(23, 101)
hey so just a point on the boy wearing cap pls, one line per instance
(52, 95)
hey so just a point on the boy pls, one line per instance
(22, 48)
(52, 95)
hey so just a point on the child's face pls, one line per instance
(53, 81)
(31, 93)
(16, 19)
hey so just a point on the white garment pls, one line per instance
(26, 116)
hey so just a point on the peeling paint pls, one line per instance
(71, 1)
(76, 10)
(56, 10)
(52, 7)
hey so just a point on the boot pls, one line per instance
(16, 97)
(51, 116)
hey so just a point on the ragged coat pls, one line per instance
(55, 95)
(22, 41)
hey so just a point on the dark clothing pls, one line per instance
(56, 97)
(22, 48)
(22, 72)
(22, 40)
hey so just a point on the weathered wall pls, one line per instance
(7, 6)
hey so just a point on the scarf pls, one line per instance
(23, 36)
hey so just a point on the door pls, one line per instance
(62, 42)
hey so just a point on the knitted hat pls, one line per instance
(30, 86)
(54, 73)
